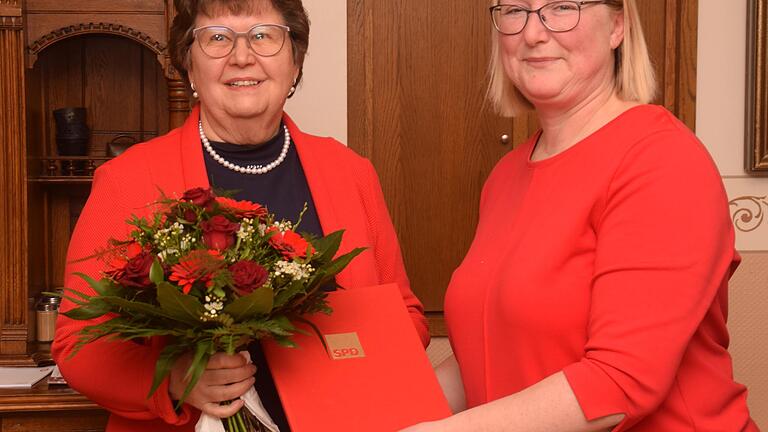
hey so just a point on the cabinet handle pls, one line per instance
(504, 139)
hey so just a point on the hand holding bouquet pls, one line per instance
(209, 274)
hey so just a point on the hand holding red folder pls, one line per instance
(374, 376)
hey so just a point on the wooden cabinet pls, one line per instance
(108, 56)
(417, 109)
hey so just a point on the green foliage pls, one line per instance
(180, 307)
(156, 272)
(259, 302)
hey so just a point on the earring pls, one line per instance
(194, 93)
(292, 91)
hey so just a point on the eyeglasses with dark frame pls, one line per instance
(218, 41)
(558, 17)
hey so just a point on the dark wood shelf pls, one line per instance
(64, 180)
(66, 169)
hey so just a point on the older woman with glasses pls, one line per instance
(583, 303)
(242, 60)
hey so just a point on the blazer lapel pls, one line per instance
(192, 162)
(332, 194)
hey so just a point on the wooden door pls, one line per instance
(417, 109)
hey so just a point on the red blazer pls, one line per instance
(118, 375)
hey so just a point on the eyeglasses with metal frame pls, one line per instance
(218, 41)
(558, 17)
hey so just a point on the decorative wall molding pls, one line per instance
(756, 127)
(10, 14)
(91, 28)
(747, 212)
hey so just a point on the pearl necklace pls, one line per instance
(251, 169)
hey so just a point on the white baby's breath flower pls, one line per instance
(293, 269)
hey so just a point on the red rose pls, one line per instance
(219, 232)
(189, 215)
(198, 196)
(136, 271)
(247, 276)
(290, 244)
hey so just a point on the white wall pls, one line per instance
(720, 112)
(320, 104)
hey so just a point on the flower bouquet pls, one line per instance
(209, 274)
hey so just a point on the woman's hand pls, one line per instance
(226, 377)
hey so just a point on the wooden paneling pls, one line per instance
(417, 109)
(671, 28)
(13, 205)
(90, 6)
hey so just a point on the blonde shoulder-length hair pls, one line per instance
(633, 72)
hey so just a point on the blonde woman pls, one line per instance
(593, 297)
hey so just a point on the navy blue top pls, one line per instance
(284, 191)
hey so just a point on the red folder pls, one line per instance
(382, 384)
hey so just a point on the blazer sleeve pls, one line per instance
(115, 374)
(387, 254)
(665, 251)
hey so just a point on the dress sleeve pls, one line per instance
(115, 374)
(665, 252)
(387, 254)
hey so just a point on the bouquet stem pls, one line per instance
(244, 421)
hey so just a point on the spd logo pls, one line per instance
(342, 346)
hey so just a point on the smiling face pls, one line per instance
(562, 69)
(243, 84)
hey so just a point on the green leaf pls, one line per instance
(165, 362)
(156, 273)
(258, 302)
(287, 294)
(68, 290)
(315, 329)
(328, 246)
(196, 369)
(89, 311)
(285, 342)
(101, 286)
(180, 307)
(341, 262)
(123, 305)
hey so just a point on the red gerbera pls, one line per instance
(198, 266)
(243, 208)
(290, 244)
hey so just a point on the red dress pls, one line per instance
(118, 375)
(610, 262)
